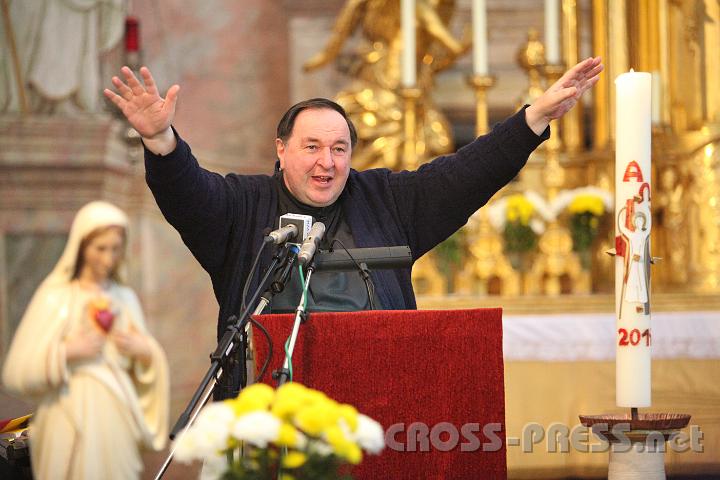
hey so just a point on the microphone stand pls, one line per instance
(226, 347)
(283, 375)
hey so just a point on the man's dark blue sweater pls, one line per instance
(222, 219)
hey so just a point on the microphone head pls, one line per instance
(285, 234)
(307, 251)
(317, 232)
(302, 222)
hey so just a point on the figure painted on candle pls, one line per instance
(372, 101)
(634, 223)
(82, 350)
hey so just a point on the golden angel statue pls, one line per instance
(373, 100)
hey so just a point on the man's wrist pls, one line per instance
(161, 144)
(537, 122)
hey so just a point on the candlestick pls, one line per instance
(656, 98)
(407, 24)
(410, 154)
(481, 84)
(552, 31)
(132, 42)
(480, 41)
(554, 173)
(633, 221)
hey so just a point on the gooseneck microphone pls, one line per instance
(282, 235)
(293, 229)
(310, 245)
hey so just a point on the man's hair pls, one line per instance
(287, 122)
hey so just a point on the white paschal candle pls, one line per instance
(407, 24)
(632, 239)
(552, 32)
(480, 38)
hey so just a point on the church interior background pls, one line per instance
(241, 63)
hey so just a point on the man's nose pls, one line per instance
(326, 160)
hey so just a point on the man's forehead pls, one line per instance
(316, 122)
(316, 139)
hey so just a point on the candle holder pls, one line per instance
(531, 57)
(647, 434)
(554, 173)
(481, 84)
(410, 95)
(133, 57)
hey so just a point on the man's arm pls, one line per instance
(437, 199)
(197, 202)
(200, 204)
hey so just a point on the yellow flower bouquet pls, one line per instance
(586, 206)
(292, 432)
(585, 213)
(518, 234)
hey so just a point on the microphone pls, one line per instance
(307, 251)
(293, 228)
(282, 235)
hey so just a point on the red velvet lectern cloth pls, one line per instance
(403, 367)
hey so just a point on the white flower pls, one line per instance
(537, 226)
(185, 448)
(214, 467)
(208, 435)
(257, 428)
(561, 201)
(496, 214)
(321, 448)
(369, 434)
(541, 206)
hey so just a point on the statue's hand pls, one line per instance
(85, 345)
(147, 112)
(564, 94)
(133, 344)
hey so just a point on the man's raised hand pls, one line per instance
(147, 112)
(563, 94)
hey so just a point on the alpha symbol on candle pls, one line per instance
(633, 171)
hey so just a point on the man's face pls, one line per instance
(316, 158)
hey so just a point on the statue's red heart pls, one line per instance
(104, 319)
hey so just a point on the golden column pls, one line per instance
(601, 100)
(617, 61)
(571, 122)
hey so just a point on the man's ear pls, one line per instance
(280, 150)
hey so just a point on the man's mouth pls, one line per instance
(322, 179)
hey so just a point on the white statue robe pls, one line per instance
(93, 415)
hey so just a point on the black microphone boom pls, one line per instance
(376, 258)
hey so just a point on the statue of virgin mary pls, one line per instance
(83, 352)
